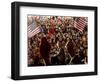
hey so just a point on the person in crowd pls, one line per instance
(62, 56)
(45, 50)
(70, 47)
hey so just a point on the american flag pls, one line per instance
(80, 23)
(33, 30)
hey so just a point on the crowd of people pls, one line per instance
(58, 43)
